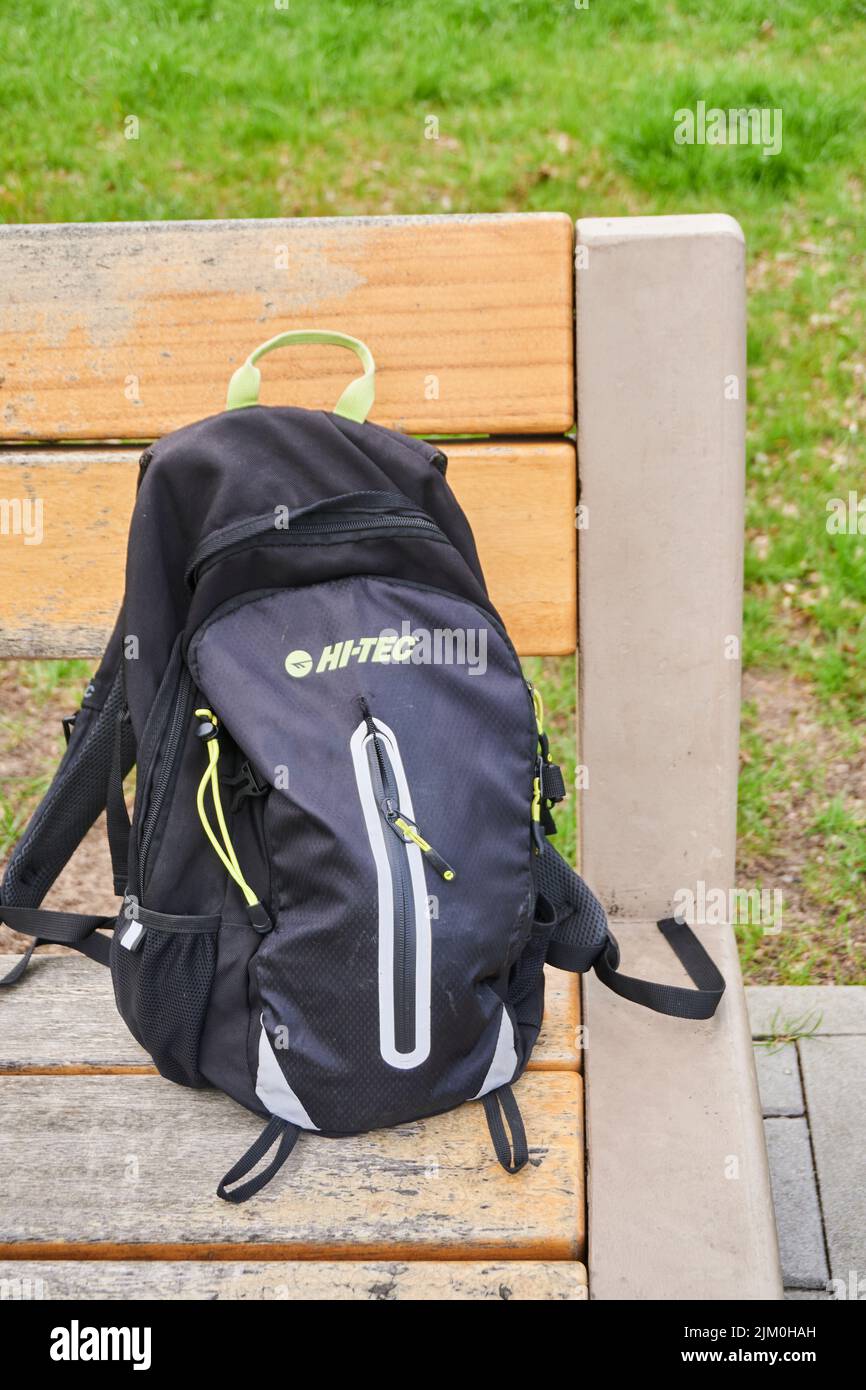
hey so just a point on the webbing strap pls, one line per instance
(582, 940)
(275, 1129)
(57, 929)
(512, 1152)
(116, 813)
(676, 1000)
(14, 975)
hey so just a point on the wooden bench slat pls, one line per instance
(300, 1280)
(62, 1017)
(127, 330)
(60, 597)
(125, 1164)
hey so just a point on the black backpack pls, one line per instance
(339, 890)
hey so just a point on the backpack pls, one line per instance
(339, 888)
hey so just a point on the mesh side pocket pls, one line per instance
(162, 991)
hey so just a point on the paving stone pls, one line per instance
(779, 1080)
(813, 1295)
(835, 1008)
(795, 1198)
(834, 1082)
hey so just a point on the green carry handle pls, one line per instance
(355, 403)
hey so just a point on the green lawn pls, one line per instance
(252, 109)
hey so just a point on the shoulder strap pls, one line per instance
(675, 1000)
(76, 797)
(581, 939)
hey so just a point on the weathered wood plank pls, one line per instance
(127, 330)
(334, 1281)
(63, 1018)
(127, 1165)
(520, 500)
(60, 596)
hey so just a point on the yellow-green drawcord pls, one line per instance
(208, 730)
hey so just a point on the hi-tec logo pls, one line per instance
(386, 647)
(420, 646)
(77, 1343)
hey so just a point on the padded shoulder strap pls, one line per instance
(76, 797)
(581, 939)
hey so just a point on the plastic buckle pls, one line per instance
(246, 783)
(68, 722)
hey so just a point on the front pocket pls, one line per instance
(405, 955)
(369, 982)
(351, 517)
(163, 968)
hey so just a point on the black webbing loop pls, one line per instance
(116, 813)
(514, 1153)
(582, 940)
(275, 1129)
(55, 929)
(14, 975)
(675, 1000)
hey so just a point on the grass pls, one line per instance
(255, 109)
(785, 1030)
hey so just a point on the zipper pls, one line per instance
(311, 526)
(176, 725)
(405, 943)
(402, 824)
(408, 830)
(399, 850)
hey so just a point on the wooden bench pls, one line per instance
(120, 332)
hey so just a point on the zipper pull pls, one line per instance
(133, 931)
(208, 730)
(409, 831)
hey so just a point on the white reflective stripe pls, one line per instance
(504, 1064)
(423, 945)
(274, 1091)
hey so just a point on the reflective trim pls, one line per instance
(504, 1063)
(423, 947)
(274, 1091)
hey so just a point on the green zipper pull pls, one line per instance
(208, 730)
(409, 830)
